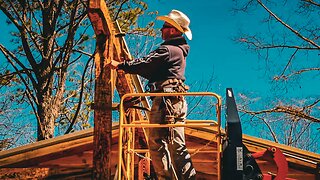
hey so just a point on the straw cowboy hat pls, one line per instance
(178, 20)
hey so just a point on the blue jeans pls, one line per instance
(167, 152)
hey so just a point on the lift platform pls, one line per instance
(129, 154)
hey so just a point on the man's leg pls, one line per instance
(181, 157)
(158, 138)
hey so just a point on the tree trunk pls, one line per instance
(49, 102)
(48, 112)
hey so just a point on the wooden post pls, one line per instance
(108, 47)
(103, 94)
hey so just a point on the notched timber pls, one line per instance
(98, 22)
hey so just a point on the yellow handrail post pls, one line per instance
(219, 143)
(121, 116)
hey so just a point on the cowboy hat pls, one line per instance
(178, 20)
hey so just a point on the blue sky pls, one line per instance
(213, 51)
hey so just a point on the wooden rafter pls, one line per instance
(74, 151)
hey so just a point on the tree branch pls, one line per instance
(297, 112)
(80, 98)
(23, 28)
(312, 2)
(259, 45)
(273, 134)
(285, 77)
(312, 104)
(201, 98)
(32, 99)
(9, 75)
(289, 62)
(287, 26)
(70, 36)
(41, 4)
(10, 55)
(120, 9)
(66, 52)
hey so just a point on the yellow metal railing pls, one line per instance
(128, 129)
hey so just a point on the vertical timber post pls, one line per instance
(102, 112)
(108, 46)
(103, 93)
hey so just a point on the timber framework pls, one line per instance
(120, 150)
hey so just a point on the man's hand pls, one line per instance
(114, 64)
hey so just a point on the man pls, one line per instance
(165, 69)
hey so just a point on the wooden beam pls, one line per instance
(109, 46)
(24, 173)
(35, 153)
(59, 152)
(98, 13)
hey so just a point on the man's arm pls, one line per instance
(144, 66)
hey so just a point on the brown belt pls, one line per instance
(161, 85)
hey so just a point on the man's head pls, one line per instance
(168, 31)
(175, 24)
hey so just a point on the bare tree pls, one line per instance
(48, 63)
(290, 46)
(45, 43)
